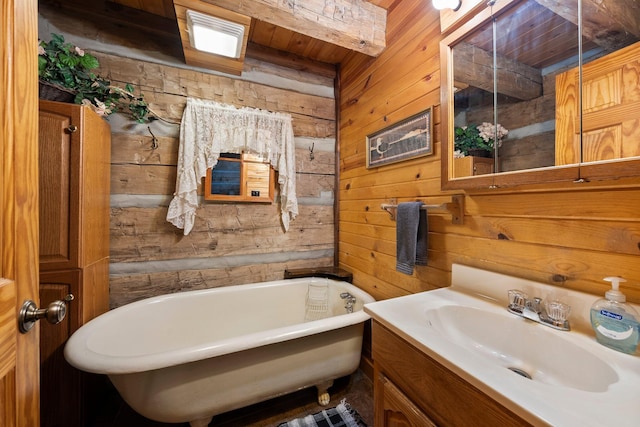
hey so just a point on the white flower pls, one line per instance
(99, 107)
(88, 103)
(79, 51)
(41, 50)
(488, 132)
(458, 154)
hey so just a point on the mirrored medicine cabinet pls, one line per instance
(561, 76)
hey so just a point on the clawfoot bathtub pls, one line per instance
(188, 356)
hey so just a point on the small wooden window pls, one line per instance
(240, 178)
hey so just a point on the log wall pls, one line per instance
(231, 243)
(556, 234)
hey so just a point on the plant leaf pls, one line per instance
(89, 61)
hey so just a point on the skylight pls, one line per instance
(214, 35)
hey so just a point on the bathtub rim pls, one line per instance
(81, 357)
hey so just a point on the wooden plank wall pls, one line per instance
(565, 235)
(230, 243)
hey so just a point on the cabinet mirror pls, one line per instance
(556, 83)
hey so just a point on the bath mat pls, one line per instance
(342, 415)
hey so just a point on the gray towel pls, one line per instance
(411, 236)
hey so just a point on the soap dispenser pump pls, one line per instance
(614, 321)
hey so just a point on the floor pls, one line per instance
(357, 389)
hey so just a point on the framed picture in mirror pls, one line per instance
(407, 139)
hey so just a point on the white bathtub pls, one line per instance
(188, 356)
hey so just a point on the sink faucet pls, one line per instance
(349, 300)
(551, 313)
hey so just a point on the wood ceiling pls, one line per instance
(318, 48)
(553, 40)
(266, 40)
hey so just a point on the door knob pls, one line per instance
(30, 314)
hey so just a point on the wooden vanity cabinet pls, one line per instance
(74, 176)
(413, 390)
(394, 408)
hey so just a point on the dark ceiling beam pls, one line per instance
(116, 14)
(474, 67)
(612, 24)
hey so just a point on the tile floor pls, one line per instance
(357, 389)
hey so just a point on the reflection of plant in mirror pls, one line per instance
(478, 137)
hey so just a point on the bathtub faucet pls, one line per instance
(349, 300)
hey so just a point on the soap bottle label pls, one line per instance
(614, 335)
(613, 325)
(611, 315)
(615, 330)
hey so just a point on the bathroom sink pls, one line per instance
(546, 376)
(523, 347)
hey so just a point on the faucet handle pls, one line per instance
(517, 300)
(557, 310)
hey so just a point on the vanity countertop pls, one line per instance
(467, 328)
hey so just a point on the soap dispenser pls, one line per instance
(614, 321)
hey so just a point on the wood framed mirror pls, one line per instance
(240, 177)
(567, 90)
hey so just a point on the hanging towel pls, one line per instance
(411, 236)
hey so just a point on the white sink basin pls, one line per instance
(522, 347)
(574, 381)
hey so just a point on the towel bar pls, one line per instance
(455, 206)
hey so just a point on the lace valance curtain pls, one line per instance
(208, 129)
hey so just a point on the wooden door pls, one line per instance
(610, 104)
(19, 353)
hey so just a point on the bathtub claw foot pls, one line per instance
(323, 394)
(324, 398)
(203, 422)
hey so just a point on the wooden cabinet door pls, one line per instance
(394, 409)
(61, 385)
(75, 163)
(59, 150)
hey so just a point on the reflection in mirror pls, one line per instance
(532, 45)
(506, 72)
(610, 99)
